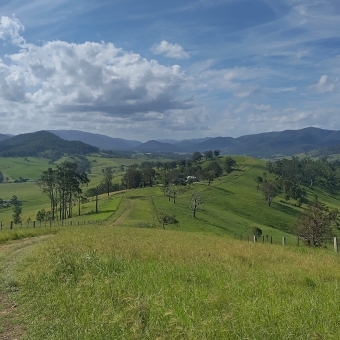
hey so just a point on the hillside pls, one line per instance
(3, 137)
(98, 140)
(42, 143)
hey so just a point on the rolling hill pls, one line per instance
(36, 143)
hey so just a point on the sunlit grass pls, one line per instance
(128, 283)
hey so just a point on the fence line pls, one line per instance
(48, 224)
(270, 240)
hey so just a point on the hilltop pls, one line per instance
(42, 143)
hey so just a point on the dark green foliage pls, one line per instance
(196, 157)
(295, 172)
(1, 177)
(229, 163)
(166, 219)
(315, 224)
(208, 155)
(17, 211)
(43, 215)
(63, 187)
(132, 178)
(42, 144)
(256, 231)
(107, 178)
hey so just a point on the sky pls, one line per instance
(169, 69)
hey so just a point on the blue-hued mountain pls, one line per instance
(44, 144)
(155, 146)
(3, 137)
(287, 142)
(100, 141)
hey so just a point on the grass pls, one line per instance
(132, 283)
(129, 279)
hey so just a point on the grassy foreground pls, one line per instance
(134, 283)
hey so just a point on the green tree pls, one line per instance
(17, 211)
(196, 157)
(208, 155)
(315, 224)
(269, 190)
(107, 178)
(229, 163)
(1, 177)
(217, 153)
(259, 181)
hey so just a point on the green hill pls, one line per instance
(42, 143)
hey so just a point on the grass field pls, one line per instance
(127, 278)
(136, 283)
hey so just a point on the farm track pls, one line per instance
(11, 255)
(127, 210)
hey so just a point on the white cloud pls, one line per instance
(10, 28)
(170, 50)
(88, 81)
(262, 107)
(322, 86)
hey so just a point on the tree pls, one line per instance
(197, 200)
(269, 191)
(208, 155)
(315, 223)
(257, 232)
(217, 153)
(259, 181)
(17, 210)
(107, 178)
(132, 178)
(229, 163)
(167, 219)
(196, 157)
(1, 177)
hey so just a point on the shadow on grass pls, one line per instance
(99, 212)
(286, 209)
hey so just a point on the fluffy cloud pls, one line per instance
(61, 80)
(10, 29)
(322, 86)
(170, 50)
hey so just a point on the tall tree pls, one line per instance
(107, 178)
(197, 199)
(269, 190)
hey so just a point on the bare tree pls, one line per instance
(197, 200)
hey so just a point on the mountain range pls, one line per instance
(266, 144)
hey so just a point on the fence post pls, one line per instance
(255, 238)
(283, 241)
(33, 224)
(298, 239)
(11, 227)
(336, 244)
(1, 225)
(50, 224)
(271, 239)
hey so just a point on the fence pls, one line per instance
(328, 241)
(46, 224)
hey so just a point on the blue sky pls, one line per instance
(169, 69)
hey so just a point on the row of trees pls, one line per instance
(63, 186)
(308, 172)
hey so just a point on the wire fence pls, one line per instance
(47, 224)
(327, 242)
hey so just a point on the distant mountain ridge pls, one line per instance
(288, 142)
(42, 143)
(100, 141)
(3, 137)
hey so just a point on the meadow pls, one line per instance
(127, 278)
